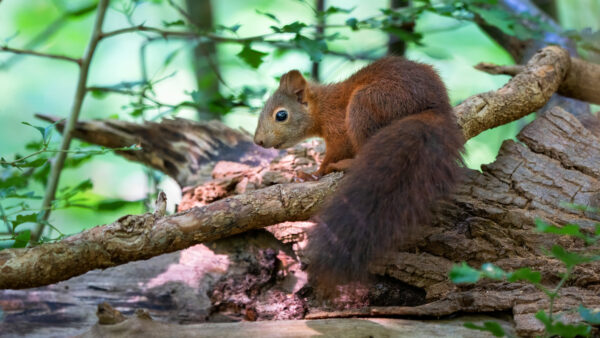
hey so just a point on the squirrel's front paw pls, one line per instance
(343, 165)
(302, 176)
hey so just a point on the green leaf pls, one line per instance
(114, 204)
(561, 329)
(404, 34)
(28, 218)
(569, 229)
(581, 207)
(525, 274)
(83, 186)
(34, 145)
(491, 327)
(353, 23)
(15, 179)
(570, 259)
(464, 274)
(232, 29)
(99, 94)
(32, 164)
(543, 317)
(40, 129)
(12, 193)
(268, 15)
(591, 316)
(251, 56)
(314, 48)
(22, 239)
(137, 112)
(335, 10)
(45, 131)
(171, 57)
(489, 270)
(173, 23)
(294, 27)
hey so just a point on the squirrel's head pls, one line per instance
(284, 120)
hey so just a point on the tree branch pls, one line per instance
(59, 161)
(52, 28)
(39, 54)
(143, 236)
(580, 82)
(522, 95)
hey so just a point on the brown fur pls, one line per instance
(395, 116)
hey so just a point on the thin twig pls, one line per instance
(142, 94)
(59, 162)
(319, 34)
(5, 220)
(50, 30)
(34, 53)
(184, 34)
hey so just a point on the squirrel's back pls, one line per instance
(401, 122)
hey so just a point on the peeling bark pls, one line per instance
(180, 148)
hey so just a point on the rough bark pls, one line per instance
(523, 94)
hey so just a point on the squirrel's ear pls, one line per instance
(294, 83)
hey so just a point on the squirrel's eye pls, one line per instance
(281, 116)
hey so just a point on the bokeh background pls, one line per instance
(30, 85)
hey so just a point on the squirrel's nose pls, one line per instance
(259, 142)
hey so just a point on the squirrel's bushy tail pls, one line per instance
(394, 181)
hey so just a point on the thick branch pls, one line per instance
(580, 82)
(522, 95)
(143, 236)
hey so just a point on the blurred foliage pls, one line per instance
(554, 327)
(146, 74)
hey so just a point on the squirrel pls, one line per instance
(391, 127)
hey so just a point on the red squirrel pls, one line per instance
(391, 127)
